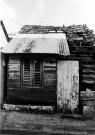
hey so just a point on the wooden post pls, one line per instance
(1, 81)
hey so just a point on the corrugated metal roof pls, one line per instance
(38, 43)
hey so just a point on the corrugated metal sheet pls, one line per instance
(38, 43)
(68, 86)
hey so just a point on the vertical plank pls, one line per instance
(50, 71)
(1, 81)
(60, 85)
(67, 86)
(13, 74)
(74, 86)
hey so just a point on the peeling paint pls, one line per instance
(68, 86)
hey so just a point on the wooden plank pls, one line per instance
(32, 90)
(49, 64)
(88, 81)
(90, 61)
(14, 67)
(87, 95)
(90, 76)
(14, 61)
(28, 102)
(88, 70)
(88, 103)
(13, 85)
(50, 70)
(1, 80)
(88, 65)
(13, 73)
(14, 81)
(50, 75)
(74, 86)
(31, 95)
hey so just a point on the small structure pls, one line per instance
(51, 66)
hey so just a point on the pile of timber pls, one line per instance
(80, 38)
(79, 33)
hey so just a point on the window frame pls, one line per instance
(32, 73)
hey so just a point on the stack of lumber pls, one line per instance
(80, 38)
(79, 33)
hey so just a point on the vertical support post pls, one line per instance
(1, 81)
(80, 87)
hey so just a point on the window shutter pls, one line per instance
(37, 73)
(26, 72)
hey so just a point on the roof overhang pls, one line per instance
(38, 43)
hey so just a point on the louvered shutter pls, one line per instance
(26, 73)
(37, 73)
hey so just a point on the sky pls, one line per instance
(16, 13)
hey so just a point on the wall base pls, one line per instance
(89, 111)
(29, 108)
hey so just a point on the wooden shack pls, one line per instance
(51, 66)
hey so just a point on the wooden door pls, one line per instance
(68, 86)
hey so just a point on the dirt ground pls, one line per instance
(48, 123)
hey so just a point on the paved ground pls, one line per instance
(44, 124)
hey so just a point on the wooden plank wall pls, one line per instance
(18, 94)
(50, 73)
(13, 76)
(88, 71)
(47, 94)
(87, 93)
(2, 78)
(88, 80)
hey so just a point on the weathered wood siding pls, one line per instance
(68, 86)
(18, 94)
(50, 73)
(2, 78)
(13, 75)
(88, 74)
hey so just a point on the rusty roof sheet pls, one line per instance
(38, 43)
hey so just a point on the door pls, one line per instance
(68, 86)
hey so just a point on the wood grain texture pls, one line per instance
(88, 103)
(87, 95)
(13, 73)
(30, 94)
(49, 71)
(88, 72)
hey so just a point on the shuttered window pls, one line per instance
(26, 72)
(37, 73)
(32, 72)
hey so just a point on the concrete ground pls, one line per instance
(12, 122)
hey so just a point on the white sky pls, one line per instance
(47, 12)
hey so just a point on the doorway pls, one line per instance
(68, 86)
